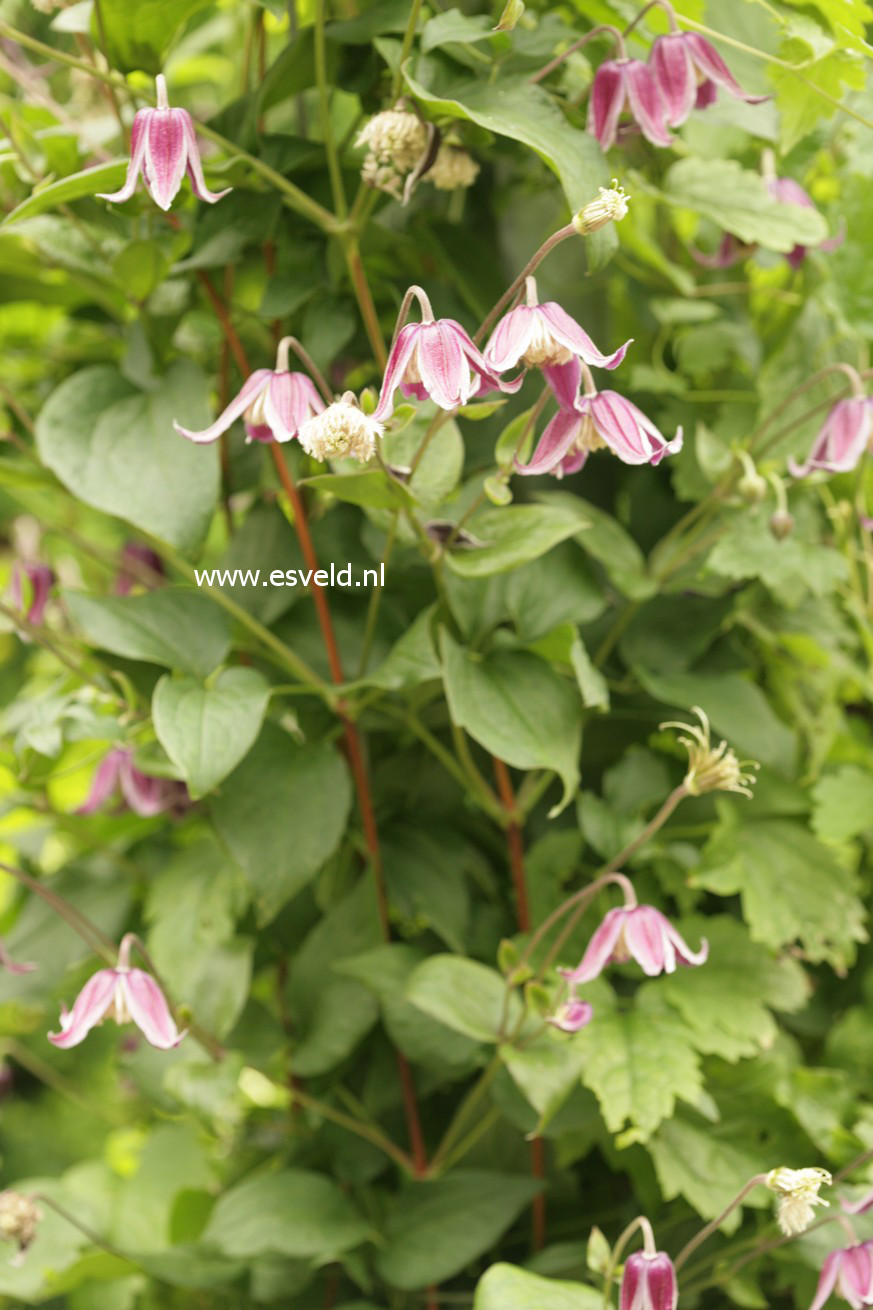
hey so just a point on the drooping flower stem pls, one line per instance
(533, 263)
(406, 48)
(291, 343)
(716, 1223)
(550, 67)
(94, 937)
(364, 297)
(92, 1237)
(653, 4)
(641, 1223)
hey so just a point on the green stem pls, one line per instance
(333, 163)
(462, 1114)
(369, 1132)
(95, 938)
(716, 1223)
(376, 598)
(406, 48)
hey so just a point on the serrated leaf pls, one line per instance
(737, 200)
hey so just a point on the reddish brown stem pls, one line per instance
(515, 844)
(230, 335)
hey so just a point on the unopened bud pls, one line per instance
(781, 524)
(19, 1221)
(609, 207)
(512, 12)
(752, 487)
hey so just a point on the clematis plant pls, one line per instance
(140, 792)
(163, 148)
(843, 439)
(640, 933)
(274, 404)
(543, 335)
(436, 360)
(648, 1282)
(688, 70)
(626, 83)
(124, 994)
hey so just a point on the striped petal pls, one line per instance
(166, 151)
(291, 400)
(567, 332)
(138, 133)
(398, 362)
(240, 403)
(445, 372)
(714, 68)
(148, 1008)
(556, 442)
(645, 102)
(511, 337)
(606, 102)
(194, 167)
(89, 1008)
(674, 75)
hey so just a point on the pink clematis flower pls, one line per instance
(163, 147)
(648, 1282)
(124, 994)
(542, 336)
(687, 71)
(844, 437)
(273, 404)
(594, 421)
(573, 1015)
(41, 579)
(140, 792)
(858, 1207)
(787, 192)
(436, 360)
(638, 932)
(620, 82)
(849, 1273)
(134, 553)
(10, 965)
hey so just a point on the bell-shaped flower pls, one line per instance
(436, 360)
(124, 994)
(573, 1014)
(648, 1282)
(542, 336)
(273, 404)
(10, 965)
(341, 431)
(843, 439)
(849, 1273)
(687, 71)
(140, 792)
(29, 589)
(163, 147)
(635, 932)
(626, 82)
(596, 420)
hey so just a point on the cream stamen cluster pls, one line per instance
(712, 768)
(797, 1190)
(395, 141)
(341, 430)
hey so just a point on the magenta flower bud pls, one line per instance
(124, 994)
(134, 552)
(620, 82)
(542, 336)
(843, 439)
(573, 1015)
(274, 404)
(163, 147)
(849, 1273)
(789, 192)
(648, 1282)
(41, 579)
(687, 71)
(140, 792)
(10, 965)
(640, 933)
(436, 360)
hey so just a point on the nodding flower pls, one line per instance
(572, 1015)
(436, 360)
(626, 82)
(39, 580)
(124, 994)
(140, 792)
(163, 147)
(842, 440)
(640, 933)
(687, 72)
(543, 336)
(849, 1273)
(274, 404)
(648, 1282)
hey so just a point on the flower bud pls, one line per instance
(781, 524)
(341, 430)
(752, 487)
(452, 169)
(609, 207)
(512, 12)
(19, 1221)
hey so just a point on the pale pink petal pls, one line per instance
(12, 966)
(41, 579)
(856, 1274)
(194, 166)
(827, 1279)
(842, 440)
(571, 463)
(398, 362)
(90, 1006)
(606, 102)
(788, 192)
(556, 442)
(445, 372)
(858, 1207)
(714, 68)
(628, 432)
(145, 795)
(600, 949)
(166, 151)
(487, 374)
(645, 102)
(291, 400)
(137, 151)
(511, 337)
(148, 1009)
(104, 782)
(564, 379)
(674, 75)
(572, 1016)
(245, 397)
(647, 941)
(684, 953)
(567, 332)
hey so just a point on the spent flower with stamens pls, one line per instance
(849, 1273)
(124, 994)
(145, 795)
(797, 1190)
(687, 70)
(453, 168)
(395, 141)
(163, 148)
(844, 437)
(712, 768)
(342, 430)
(609, 207)
(544, 336)
(640, 933)
(274, 404)
(648, 1282)
(19, 1221)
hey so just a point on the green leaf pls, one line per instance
(372, 487)
(465, 995)
(707, 1164)
(506, 1287)
(515, 536)
(105, 178)
(453, 25)
(790, 568)
(546, 1071)
(412, 659)
(173, 627)
(518, 708)
(804, 100)
(437, 1227)
(294, 1212)
(611, 546)
(115, 448)
(737, 200)
(843, 803)
(727, 1003)
(207, 730)
(282, 814)
(793, 888)
(138, 36)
